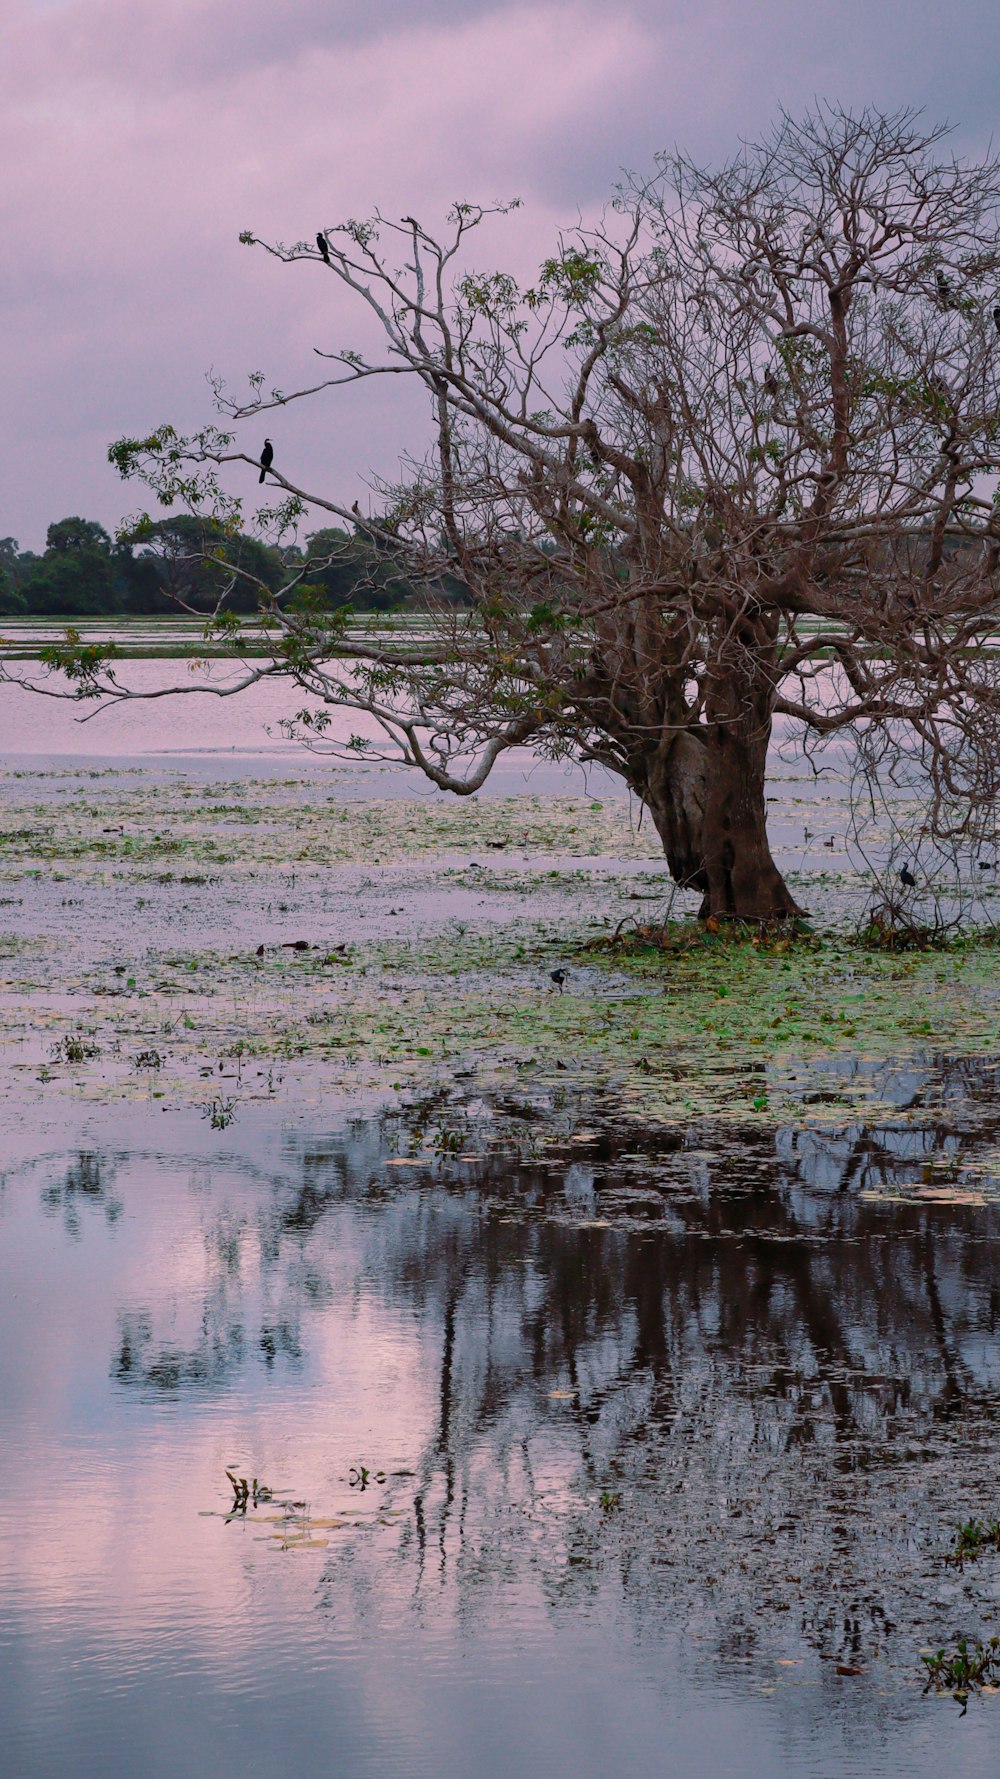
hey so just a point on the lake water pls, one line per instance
(652, 1445)
(227, 736)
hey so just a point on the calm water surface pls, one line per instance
(654, 1438)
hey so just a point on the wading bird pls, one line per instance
(266, 459)
(558, 977)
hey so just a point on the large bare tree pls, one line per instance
(729, 457)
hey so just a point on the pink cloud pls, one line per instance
(138, 139)
(129, 182)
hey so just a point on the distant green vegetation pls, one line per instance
(183, 563)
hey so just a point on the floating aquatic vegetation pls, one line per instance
(74, 1047)
(965, 1669)
(248, 1493)
(678, 1020)
(220, 1112)
(972, 1538)
(361, 1477)
(294, 1527)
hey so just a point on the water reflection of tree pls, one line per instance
(779, 1334)
(88, 1181)
(757, 1244)
(739, 1337)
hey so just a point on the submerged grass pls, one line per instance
(725, 1030)
(686, 1022)
(253, 824)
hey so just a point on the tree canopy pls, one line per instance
(730, 456)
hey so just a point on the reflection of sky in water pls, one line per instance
(289, 1305)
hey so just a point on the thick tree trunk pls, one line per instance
(699, 771)
(706, 793)
(743, 881)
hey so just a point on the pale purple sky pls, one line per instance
(138, 137)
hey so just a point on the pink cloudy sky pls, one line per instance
(139, 138)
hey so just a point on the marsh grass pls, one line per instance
(684, 1021)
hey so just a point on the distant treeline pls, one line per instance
(83, 574)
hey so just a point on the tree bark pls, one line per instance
(706, 793)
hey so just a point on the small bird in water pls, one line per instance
(321, 244)
(906, 876)
(986, 865)
(558, 977)
(266, 459)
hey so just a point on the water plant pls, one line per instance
(74, 1047)
(220, 1113)
(972, 1538)
(248, 1493)
(963, 1669)
(360, 1477)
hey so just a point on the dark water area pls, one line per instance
(581, 1447)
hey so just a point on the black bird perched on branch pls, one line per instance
(770, 383)
(558, 977)
(943, 290)
(906, 876)
(321, 244)
(266, 459)
(996, 317)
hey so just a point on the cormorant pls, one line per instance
(996, 317)
(321, 244)
(770, 383)
(266, 459)
(943, 290)
(906, 876)
(558, 977)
